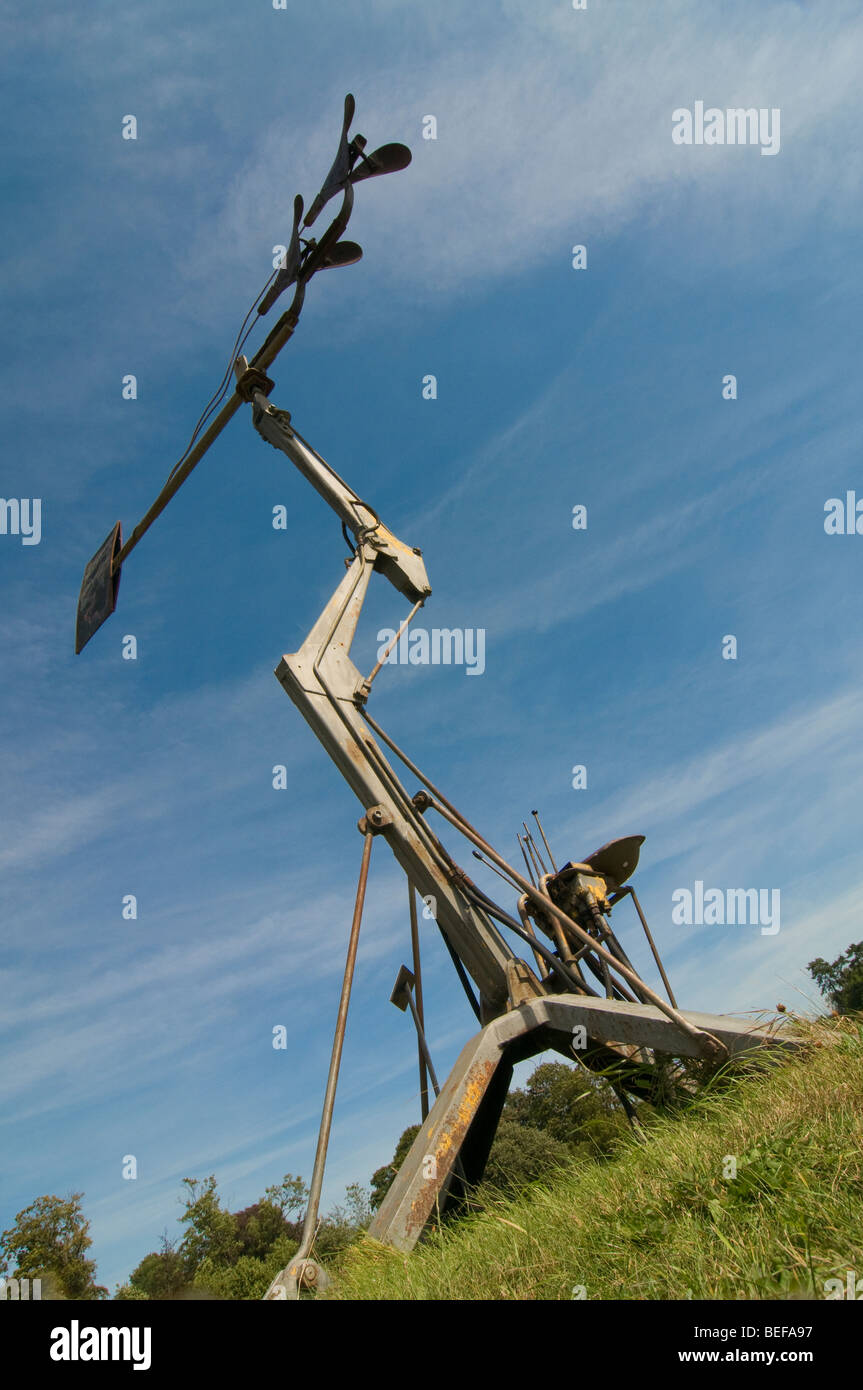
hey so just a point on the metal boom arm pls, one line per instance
(328, 690)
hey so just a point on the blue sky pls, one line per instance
(555, 387)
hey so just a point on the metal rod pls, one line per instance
(535, 854)
(460, 820)
(531, 851)
(395, 641)
(525, 920)
(536, 848)
(311, 1216)
(426, 1055)
(462, 974)
(526, 861)
(423, 1046)
(528, 926)
(476, 854)
(563, 945)
(554, 962)
(535, 815)
(629, 889)
(709, 1044)
(415, 948)
(228, 410)
(564, 949)
(604, 933)
(283, 331)
(412, 767)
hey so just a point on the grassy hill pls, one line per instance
(666, 1218)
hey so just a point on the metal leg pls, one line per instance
(302, 1269)
(420, 1014)
(464, 1117)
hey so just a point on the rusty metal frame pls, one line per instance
(463, 1120)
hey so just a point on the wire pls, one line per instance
(220, 391)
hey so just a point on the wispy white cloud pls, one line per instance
(515, 176)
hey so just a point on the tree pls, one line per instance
(290, 1195)
(49, 1241)
(519, 1155)
(260, 1226)
(567, 1104)
(211, 1232)
(222, 1254)
(842, 981)
(236, 1255)
(160, 1275)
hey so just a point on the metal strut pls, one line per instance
(302, 1270)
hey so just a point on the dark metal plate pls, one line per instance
(343, 253)
(98, 597)
(402, 988)
(618, 859)
(340, 172)
(288, 274)
(388, 159)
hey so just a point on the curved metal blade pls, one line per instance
(288, 274)
(388, 159)
(618, 859)
(343, 253)
(340, 172)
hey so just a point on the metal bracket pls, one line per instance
(301, 1274)
(522, 984)
(375, 820)
(251, 380)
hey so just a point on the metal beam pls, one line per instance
(424, 1177)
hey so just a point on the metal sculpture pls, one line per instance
(625, 1030)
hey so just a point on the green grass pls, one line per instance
(660, 1220)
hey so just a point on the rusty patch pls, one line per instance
(450, 1141)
